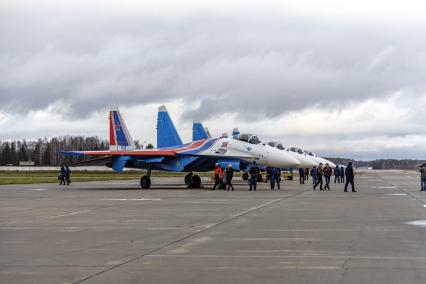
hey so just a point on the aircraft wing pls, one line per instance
(133, 153)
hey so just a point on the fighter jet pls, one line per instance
(174, 156)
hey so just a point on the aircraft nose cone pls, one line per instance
(287, 161)
(305, 161)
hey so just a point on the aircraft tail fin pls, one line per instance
(199, 132)
(119, 136)
(167, 135)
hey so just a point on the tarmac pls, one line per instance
(113, 232)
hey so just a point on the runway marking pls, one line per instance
(320, 220)
(131, 199)
(420, 223)
(271, 239)
(384, 187)
(396, 194)
(37, 189)
(361, 257)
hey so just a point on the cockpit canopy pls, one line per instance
(297, 150)
(276, 145)
(250, 138)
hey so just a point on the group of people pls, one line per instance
(64, 176)
(320, 174)
(326, 171)
(223, 181)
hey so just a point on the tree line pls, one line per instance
(46, 152)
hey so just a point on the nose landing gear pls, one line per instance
(146, 180)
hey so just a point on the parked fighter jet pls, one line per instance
(172, 155)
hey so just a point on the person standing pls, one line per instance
(306, 174)
(271, 173)
(423, 177)
(277, 177)
(217, 174)
(314, 173)
(254, 173)
(61, 176)
(319, 177)
(229, 175)
(328, 171)
(67, 175)
(302, 176)
(350, 176)
(337, 174)
(342, 174)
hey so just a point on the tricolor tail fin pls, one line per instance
(119, 136)
(167, 135)
(199, 132)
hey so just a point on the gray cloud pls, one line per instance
(254, 65)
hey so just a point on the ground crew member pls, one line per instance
(229, 175)
(302, 176)
(254, 173)
(319, 177)
(337, 174)
(217, 174)
(350, 175)
(423, 177)
(327, 176)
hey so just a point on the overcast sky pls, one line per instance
(342, 78)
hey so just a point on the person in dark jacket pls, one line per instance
(67, 175)
(328, 171)
(229, 175)
(306, 174)
(423, 177)
(271, 173)
(314, 173)
(319, 177)
(62, 175)
(342, 174)
(254, 173)
(302, 176)
(350, 175)
(337, 174)
(277, 177)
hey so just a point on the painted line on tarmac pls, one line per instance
(131, 199)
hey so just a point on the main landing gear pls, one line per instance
(193, 181)
(146, 180)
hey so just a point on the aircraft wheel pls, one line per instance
(245, 176)
(195, 182)
(145, 182)
(188, 179)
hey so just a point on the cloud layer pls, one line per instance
(241, 65)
